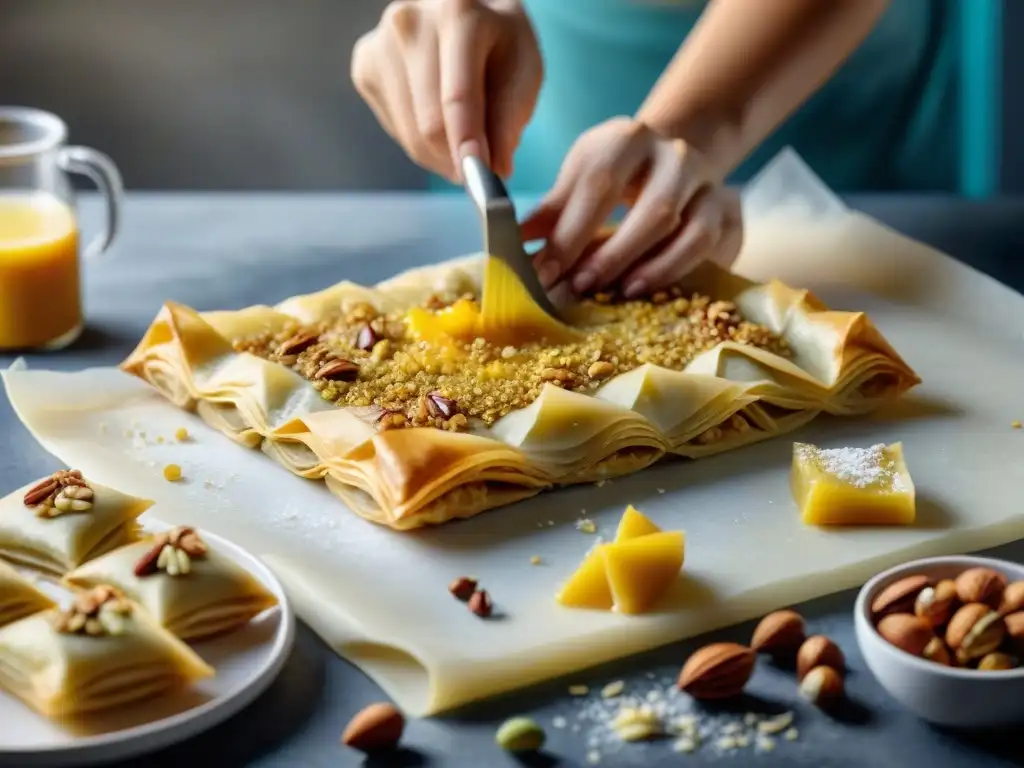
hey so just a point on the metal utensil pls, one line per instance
(502, 238)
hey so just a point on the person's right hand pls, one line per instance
(449, 78)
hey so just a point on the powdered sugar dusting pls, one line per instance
(858, 467)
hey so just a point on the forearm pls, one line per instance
(747, 65)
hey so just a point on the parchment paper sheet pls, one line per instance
(380, 597)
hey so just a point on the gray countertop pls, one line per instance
(226, 251)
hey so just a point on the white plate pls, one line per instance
(247, 662)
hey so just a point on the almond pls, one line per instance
(463, 588)
(907, 632)
(995, 662)
(1015, 630)
(480, 603)
(1013, 598)
(717, 671)
(779, 634)
(822, 686)
(818, 651)
(899, 596)
(981, 585)
(377, 727)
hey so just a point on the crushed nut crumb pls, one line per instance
(172, 473)
(376, 359)
(181, 434)
(586, 526)
(613, 689)
(535, 560)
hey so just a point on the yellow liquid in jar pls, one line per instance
(40, 291)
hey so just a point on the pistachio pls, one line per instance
(300, 342)
(899, 596)
(366, 338)
(337, 370)
(974, 631)
(440, 406)
(818, 651)
(981, 585)
(520, 734)
(994, 662)
(779, 634)
(936, 604)
(907, 632)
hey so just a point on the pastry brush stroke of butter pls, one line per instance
(631, 573)
(852, 486)
(506, 314)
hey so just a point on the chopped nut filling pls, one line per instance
(363, 358)
(172, 552)
(103, 610)
(64, 491)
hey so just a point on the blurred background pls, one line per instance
(255, 94)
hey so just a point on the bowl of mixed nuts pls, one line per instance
(945, 637)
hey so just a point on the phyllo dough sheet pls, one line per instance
(319, 382)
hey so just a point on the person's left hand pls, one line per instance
(680, 214)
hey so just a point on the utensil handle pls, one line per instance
(101, 170)
(484, 185)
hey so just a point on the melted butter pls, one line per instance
(509, 315)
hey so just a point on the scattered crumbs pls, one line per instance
(559, 722)
(684, 745)
(579, 690)
(660, 490)
(159, 439)
(776, 724)
(129, 433)
(181, 434)
(535, 560)
(611, 723)
(208, 484)
(551, 523)
(593, 757)
(600, 483)
(1015, 424)
(586, 526)
(142, 435)
(613, 689)
(172, 473)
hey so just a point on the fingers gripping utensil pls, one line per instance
(502, 237)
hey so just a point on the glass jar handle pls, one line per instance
(101, 170)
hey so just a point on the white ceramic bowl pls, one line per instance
(958, 698)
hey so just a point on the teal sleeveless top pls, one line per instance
(886, 120)
(914, 108)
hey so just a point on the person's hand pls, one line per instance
(447, 78)
(680, 214)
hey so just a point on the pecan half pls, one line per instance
(338, 370)
(147, 563)
(42, 490)
(300, 342)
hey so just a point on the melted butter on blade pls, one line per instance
(509, 315)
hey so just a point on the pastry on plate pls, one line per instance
(189, 587)
(102, 652)
(18, 597)
(444, 391)
(63, 520)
